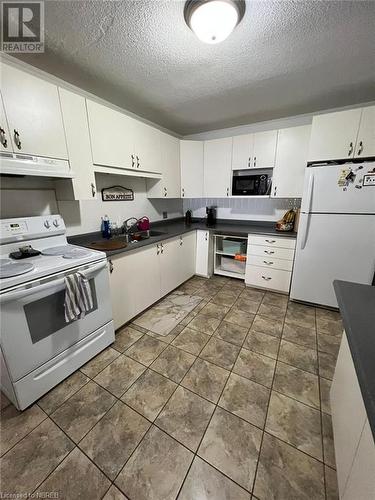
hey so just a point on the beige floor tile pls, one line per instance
(239, 317)
(205, 324)
(173, 363)
(220, 353)
(276, 300)
(206, 379)
(262, 344)
(329, 343)
(298, 356)
(97, 364)
(114, 494)
(126, 337)
(191, 340)
(300, 335)
(297, 384)
(273, 312)
(56, 396)
(247, 305)
(235, 334)
(328, 446)
(145, 350)
(325, 387)
(120, 375)
(255, 366)
(214, 310)
(266, 325)
(224, 299)
(332, 489)
(327, 364)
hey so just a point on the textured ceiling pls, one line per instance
(285, 58)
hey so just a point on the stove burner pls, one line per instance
(67, 251)
(9, 268)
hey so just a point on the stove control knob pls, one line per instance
(47, 224)
(56, 223)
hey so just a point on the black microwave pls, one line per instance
(249, 185)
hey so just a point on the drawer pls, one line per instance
(270, 262)
(274, 252)
(272, 241)
(273, 279)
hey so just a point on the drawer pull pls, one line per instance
(267, 278)
(271, 241)
(269, 252)
(268, 262)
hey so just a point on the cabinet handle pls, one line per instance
(360, 149)
(267, 278)
(269, 252)
(206, 237)
(183, 192)
(255, 161)
(249, 162)
(274, 190)
(157, 250)
(162, 248)
(3, 139)
(110, 266)
(227, 191)
(271, 241)
(133, 161)
(17, 140)
(350, 152)
(165, 191)
(181, 241)
(137, 161)
(93, 190)
(268, 262)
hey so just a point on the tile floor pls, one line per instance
(231, 404)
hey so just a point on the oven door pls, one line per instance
(33, 323)
(245, 185)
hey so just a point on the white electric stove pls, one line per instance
(38, 348)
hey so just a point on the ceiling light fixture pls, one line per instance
(213, 20)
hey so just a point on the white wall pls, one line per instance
(29, 196)
(242, 208)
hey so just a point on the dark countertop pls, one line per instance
(175, 227)
(357, 308)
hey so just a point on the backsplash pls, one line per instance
(242, 208)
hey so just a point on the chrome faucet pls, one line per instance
(127, 228)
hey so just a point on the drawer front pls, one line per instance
(269, 262)
(273, 279)
(274, 252)
(272, 241)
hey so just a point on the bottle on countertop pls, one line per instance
(106, 227)
(188, 217)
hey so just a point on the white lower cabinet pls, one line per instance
(204, 254)
(141, 277)
(269, 262)
(353, 440)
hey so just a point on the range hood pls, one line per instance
(23, 164)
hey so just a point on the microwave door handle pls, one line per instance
(20, 294)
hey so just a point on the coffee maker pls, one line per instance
(211, 216)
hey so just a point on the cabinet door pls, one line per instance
(217, 167)
(170, 264)
(33, 111)
(147, 147)
(112, 136)
(291, 161)
(264, 149)
(202, 253)
(73, 108)
(242, 151)
(121, 282)
(170, 155)
(144, 277)
(366, 136)
(5, 141)
(191, 161)
(333, 135)
(187, 254)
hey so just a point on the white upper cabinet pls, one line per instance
(334, 135)
(243, 146)
(82, 186)
(146, 147)
(112, 136)
(169, 185)
(217, 167)
(291, 161)
(365, 146)
(264, 149)
(33, 111)
(5, 142)
(191, 162)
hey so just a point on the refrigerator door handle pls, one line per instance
(309, 194)
(305, 232)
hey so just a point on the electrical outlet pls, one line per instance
(369, 180)
(165, 215)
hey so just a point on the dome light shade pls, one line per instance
(213, 20)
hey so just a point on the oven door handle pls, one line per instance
(24, 292)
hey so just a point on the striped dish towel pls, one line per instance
(78, 297)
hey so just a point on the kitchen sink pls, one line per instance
(155, 233)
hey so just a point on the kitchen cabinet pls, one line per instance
(291, 160)
(121, 281)
(191, 163)
(365, 145)
(32, 108)
(204, 254)
(255, 150)
(334, 135)
(82, 186)
(169, 185)
(217, 167)
(5, 142)
(112, 136)
(353, 440)
(147, 147)
(188, 255)
(170, 263)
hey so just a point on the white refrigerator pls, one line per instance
(336, 235)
